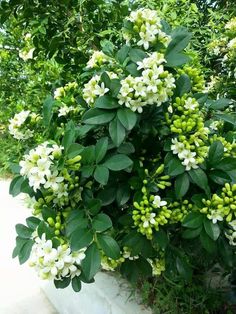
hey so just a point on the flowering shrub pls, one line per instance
(133, 176)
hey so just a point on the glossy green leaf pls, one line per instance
(109, 246)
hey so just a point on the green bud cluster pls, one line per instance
(111, 264)
(147, 216)
(156, 177)
(74, 163)
(189, 125)
(221, 206)
(229, 148)
(196, 78)
(56, 224)
(179, 210)
(158, 266)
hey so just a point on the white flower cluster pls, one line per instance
(231, 234)
(26, 54)
(65, 110)
(232, 44)
(150, 219)
(155, 86)
(95, 88)
(188, 157)
(60, 92)
(97, 59)
(231, 25)
(148, 26)
(55, 263)
(38, 166)
(16, 124)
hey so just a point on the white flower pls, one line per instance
(26, 55)
(177, 147)
(215, 216)
(63, 111)
(190, 104)
(97, 59)
(54, 263)
(94, 89)
(59, 92)
(149, 220)
(53, 180)
(233, 224)
(78, 256)
(158, 202)
(189, 161)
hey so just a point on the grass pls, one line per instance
(165, 297)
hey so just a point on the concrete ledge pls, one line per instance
(110, 294)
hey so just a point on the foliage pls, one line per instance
(135, 173)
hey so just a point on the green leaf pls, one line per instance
(80, 238)
(94, 206)
(216, 152)
(98, 116)
(183, 85)
(15, 186)
(107, 195)
(122, 54)
(122, 194)
(117, 132)
(136, 55)
(180, 39)
(132, 69)
(23, 231)
(220, 103)
(175, 167)
(193, 220)
(208, 244)
(184, 269)
(109, 246)
(101, 174)
(160, 237)
(43, 228)
(101, 149)
(88, 155)
(230, 118)
(181, 185)
(25, 251)
(118, 162)
(213, 230)
(33, 222)
(127, 117)
(192, 233)
(69, 136)
(91, 263)
(107, 47)
(74, 150)
(126, 148)
(134, 270)
(219, 177)
(105, 79)
(176, 59)
(83, 130)
(63, 283)
(48, 111)
(199, 177)
(106, 102)
(101, 222)
(19, 244)
(115, 87)
(227, 164)
(76, 284)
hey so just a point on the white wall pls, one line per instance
(108, 295)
